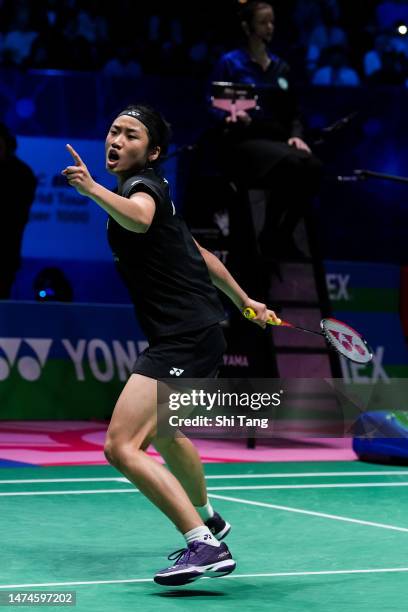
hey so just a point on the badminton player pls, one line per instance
(171, 280)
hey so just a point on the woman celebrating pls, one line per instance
(171, 282)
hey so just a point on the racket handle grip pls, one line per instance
(250, 314)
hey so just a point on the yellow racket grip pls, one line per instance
(250, 314)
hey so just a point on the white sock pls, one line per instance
(205, 512)
(203, 534)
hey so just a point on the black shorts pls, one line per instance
(196, 354)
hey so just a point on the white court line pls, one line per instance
(309, 512)
(34, 480)
(220, 476)
(78, 492)
(312, 474)
(345, 485)
(354, 485)
(230, 577)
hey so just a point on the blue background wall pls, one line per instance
(365, 221)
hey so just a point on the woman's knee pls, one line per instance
(120, 452)
(113, 451)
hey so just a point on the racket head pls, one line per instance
(346, 340)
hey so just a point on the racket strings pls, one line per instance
(346, 341)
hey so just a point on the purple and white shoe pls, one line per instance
(218, 527)
(197, 560)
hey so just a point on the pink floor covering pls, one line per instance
(81, 443)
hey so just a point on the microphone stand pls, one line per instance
(334, 127)
(363, 175)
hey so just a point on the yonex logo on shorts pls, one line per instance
(176, 372)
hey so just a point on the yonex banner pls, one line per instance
(65, 361)
(366, 296)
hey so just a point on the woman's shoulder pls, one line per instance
(147, 177)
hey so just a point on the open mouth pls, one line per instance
(113, 155)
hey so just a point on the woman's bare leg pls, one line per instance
(183, 460)
(133, 425)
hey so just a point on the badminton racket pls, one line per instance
(340, 336)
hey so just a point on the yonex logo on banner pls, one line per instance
(29, 367)
(103, 359)
(358, 373)
(337, 286)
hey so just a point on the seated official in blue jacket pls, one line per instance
(265, 146)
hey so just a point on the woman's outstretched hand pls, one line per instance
(78, 176)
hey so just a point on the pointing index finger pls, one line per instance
(75, 155)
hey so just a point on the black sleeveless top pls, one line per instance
(167, 277)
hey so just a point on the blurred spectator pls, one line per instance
(334, 8)
(392, 71)
(307, 17)
(91, 25)
(399, 40)
(176, 31)
(52, 12)
(165, 48)
(50, 49)
(198, 54)
(204, 51)
(174, 58)
(82, 52)
(335, 69)
(90, 35)
(87, 32)
(123, 64)
(373, 58)
(327, 33)
(17, 194)
(18, 40)
(384, 46)
(154, 28)
(204, 45)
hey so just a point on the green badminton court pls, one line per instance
(327, 536)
